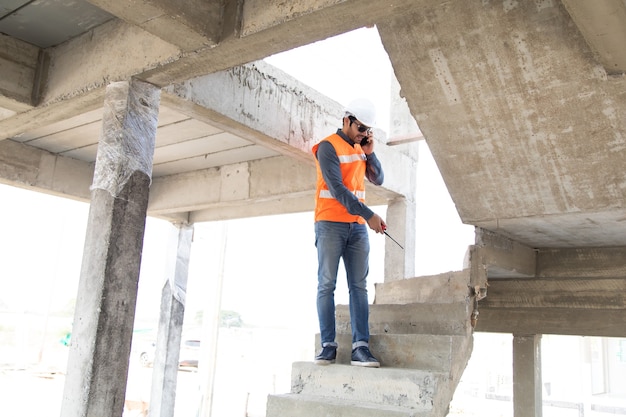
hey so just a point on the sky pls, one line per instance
(365, 72)
(268, 271)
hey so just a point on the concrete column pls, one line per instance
(402, 124)
(527, 398)
(97, 369)
(211, 326)
(400, 263)
(165, 366)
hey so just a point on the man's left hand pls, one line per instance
(368, 147)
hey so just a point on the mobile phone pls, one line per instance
(364, 141)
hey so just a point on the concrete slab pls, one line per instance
(300, 405)
(525, 147)
(415, 351)
(448, 287)
(441, 319)
(413, 389)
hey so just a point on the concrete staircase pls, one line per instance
(421, 334)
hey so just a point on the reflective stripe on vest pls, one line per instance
(326, 194)
(346, 159)
(352, 163)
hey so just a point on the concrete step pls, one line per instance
(302, 405)
(417, 390)
(439, 318)
(448, 287)
(420, 331)
(414, 351)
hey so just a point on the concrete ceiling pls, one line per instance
(48, 23)
(51, 46)
(183, 144)
(521, 103)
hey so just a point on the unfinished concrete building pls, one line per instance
(163, 108)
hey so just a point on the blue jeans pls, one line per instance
(349, 241)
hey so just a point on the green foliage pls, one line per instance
(230, 319)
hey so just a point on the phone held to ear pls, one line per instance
(364, 141)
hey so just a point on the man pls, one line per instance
(343, 161)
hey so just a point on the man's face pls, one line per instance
(355, 130)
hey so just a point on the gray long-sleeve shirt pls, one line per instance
(331, 172)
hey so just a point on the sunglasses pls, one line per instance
(360, 127)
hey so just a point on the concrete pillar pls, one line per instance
(400, 263)
(527, 398)
(211, 325)
(97, 369)
(402, 125)
(165, 365)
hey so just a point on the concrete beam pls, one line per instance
(251, 189)
(563, 321)
(601, 23)
(45, 115)
(282, 205)
(268, 27)
(495, 255)
(260, 15)
(107, 51)
(291, 120)
(38, 170)
(569, 306)
(505, 257)
(244, 184)
(234, 191)
(18, 64)
(109, 54)
(190, 25)
(587, 293)
(208, 194)
(582, 262)
(104, 54)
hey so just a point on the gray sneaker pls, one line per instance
(326, 356)
(362, 356)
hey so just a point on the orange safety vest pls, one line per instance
(352, 164)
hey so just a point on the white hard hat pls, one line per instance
(364, 110)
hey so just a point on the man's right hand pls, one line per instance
(377, 224)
